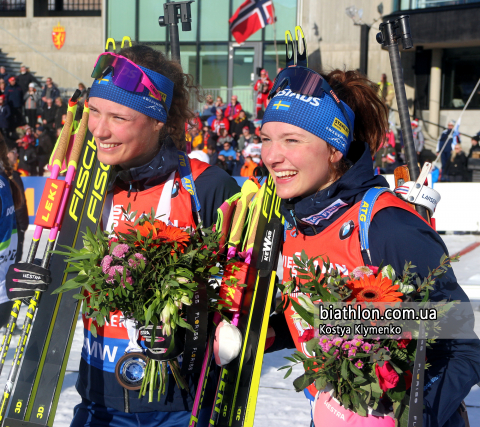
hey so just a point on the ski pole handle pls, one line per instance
(79, 138)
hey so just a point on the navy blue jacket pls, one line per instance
(4, 115)
(14, 96)
(396, 236)
(213, 187)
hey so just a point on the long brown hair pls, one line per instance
(17, 194)
(179, 111)
(371, 113)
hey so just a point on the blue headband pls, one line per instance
(143, 102)
(320, 116)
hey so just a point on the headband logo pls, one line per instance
(164, 96)
(280, 106)
(340, 126)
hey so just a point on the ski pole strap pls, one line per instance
(365, 216)
(187, 179)
(196, 341)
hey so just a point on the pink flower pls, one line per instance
(139, 256)
(359, 272)
(323, 339)
(352, 352)
(118, 268)
(326, 347)
(387, 377)
(307, 335)
(129, 280)
(356, 342)
(337, 341)
(359, 364)
(120, 250)
(106, 261)
(386, 348)
(347, 345)
(373, 268)
(366, 347)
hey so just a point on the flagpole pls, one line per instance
(275, 39)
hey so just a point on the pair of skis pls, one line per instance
(237, 390)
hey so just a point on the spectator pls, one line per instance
(14, 98)
(264, 79)
(208, 108)
(238, 124)
(25, 78)
(223, 138)
(475, 146)
(220, 104)
(31, 99)
(212, 154)
(446, 142)
(238, 164)
(48, 115)
(381, 155)
(219, 120)
(254, 150)
(5, 114)
(194, 136)
(2, 87)
(457, 166)
(245, 139)
(233, 109)
(27, 158)
(60, 112)
(391, 163)
(44, 147)
(21, 213)
(194, 122)
(207, 136)
(197, 152)
(49, 91)
(3, 74)
(228, 151)
(221, 163)
(248, 167)
(418, 137)
(82, 89)
(262, 101)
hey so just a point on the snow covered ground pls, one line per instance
(278, 404)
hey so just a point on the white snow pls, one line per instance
(278, 404)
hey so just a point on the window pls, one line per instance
(12, 8)
(214, 20)
(67, 8)
(213, 65)
(148, 14)
(461, 69)
(270, 61)
(120, 22)
(286, 13)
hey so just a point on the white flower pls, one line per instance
(389, 272)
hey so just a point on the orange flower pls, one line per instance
(374, 289)
(164, 233)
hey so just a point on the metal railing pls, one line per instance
(424, 4)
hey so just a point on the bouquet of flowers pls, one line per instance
(150, 274)
(363, 372)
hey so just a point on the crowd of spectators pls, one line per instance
(31, 118)
(221, 134)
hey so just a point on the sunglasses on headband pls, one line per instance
(307, 82)
(125, 74)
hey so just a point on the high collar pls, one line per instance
(349, 189)
(150, 174)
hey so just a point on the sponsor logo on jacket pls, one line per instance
(325, 213)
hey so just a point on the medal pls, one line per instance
(130, 370)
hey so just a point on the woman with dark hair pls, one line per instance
(139, 128)
(317, 143)
(11, 199)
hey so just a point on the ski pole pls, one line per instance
(57, 160)
(59, 156)
(388, 37)
(458, 121)
(390, 32)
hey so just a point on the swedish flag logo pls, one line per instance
(100, 81)
(282, 105)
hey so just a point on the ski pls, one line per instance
(35, 398)
(237, 392)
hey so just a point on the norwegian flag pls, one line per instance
(251, 16)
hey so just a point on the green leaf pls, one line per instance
(302, 382)
(288, 372)
(355, 370)
(93, 330)
(308, 317)
(344, 369)
(320, 383)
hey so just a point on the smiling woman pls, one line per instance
(319, 133)
(138, 109)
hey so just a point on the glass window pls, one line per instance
(213, 65)
(148, 28)
(461, 68)
(255, 37)
(188, 59)
(120, 22)
(214, 20)
(269, 59)
(286, 13)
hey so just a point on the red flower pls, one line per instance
(387, 377)
(404, 341)
(373, 268)
(307, 335)
(163, 233)
(408, 379)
